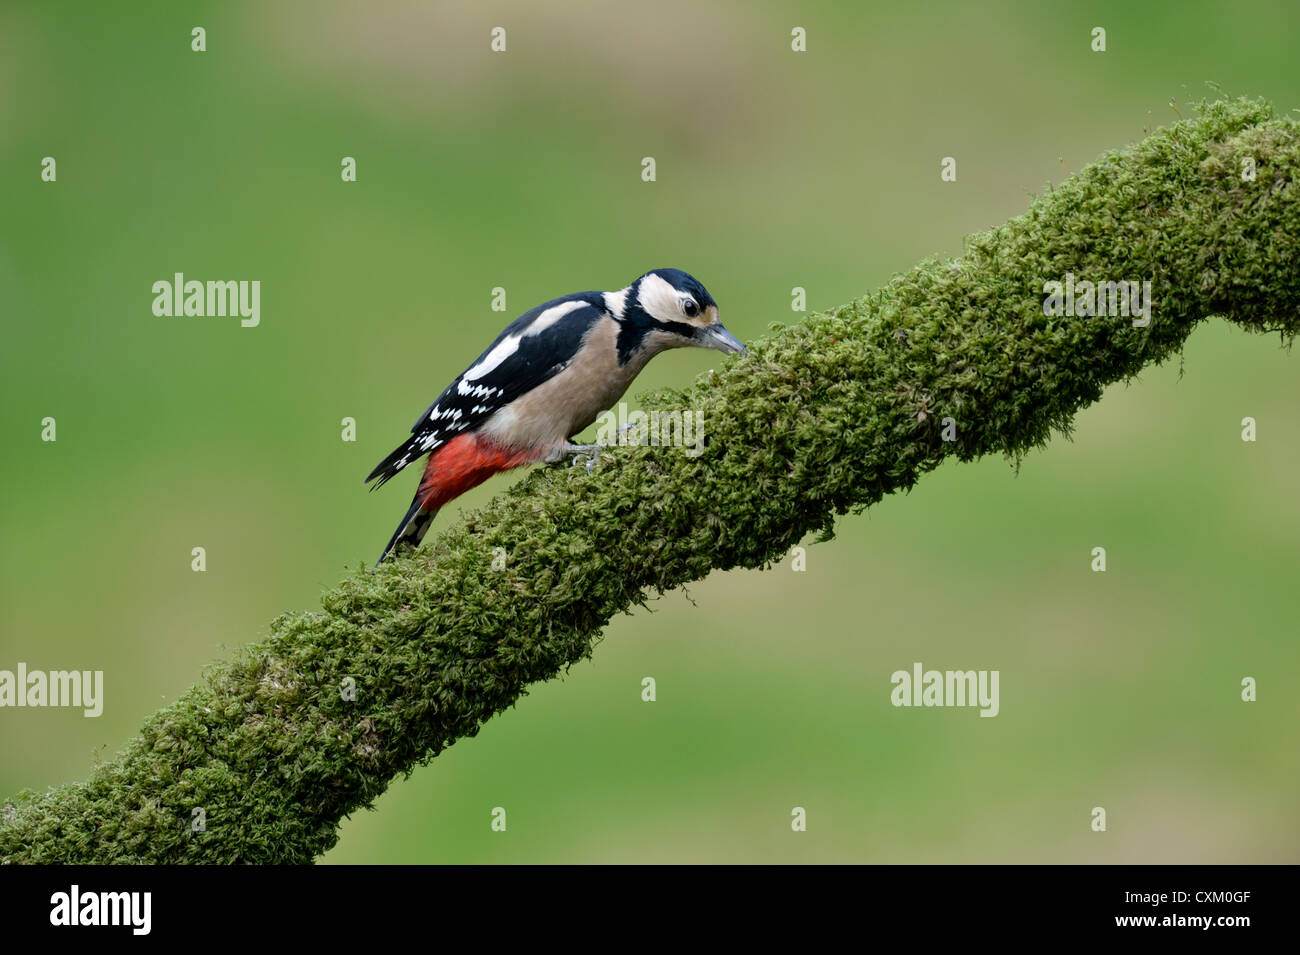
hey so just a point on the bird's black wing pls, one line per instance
(532, 349)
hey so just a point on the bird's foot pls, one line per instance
(591, 452)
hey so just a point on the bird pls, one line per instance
(545, 378)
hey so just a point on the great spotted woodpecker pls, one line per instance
(546, 378)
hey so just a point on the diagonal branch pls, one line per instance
(823, 417)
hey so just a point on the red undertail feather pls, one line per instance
(464, 462)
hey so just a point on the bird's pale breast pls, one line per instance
(570, 401)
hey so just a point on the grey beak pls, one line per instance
(715, 336)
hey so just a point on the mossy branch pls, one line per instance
(823, 417)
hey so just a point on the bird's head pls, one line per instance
(681, 311)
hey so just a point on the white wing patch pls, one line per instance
(552, 315)
(510, 344)
(505, 348)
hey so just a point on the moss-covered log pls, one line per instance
(821, 418)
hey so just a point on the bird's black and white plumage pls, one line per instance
(545, 378)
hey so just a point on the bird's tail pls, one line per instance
(398, 458)
(413, 526)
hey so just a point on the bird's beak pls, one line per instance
(715, 336)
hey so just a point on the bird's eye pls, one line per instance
(690, 308)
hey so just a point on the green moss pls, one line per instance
(821, 418)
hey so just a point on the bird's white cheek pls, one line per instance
(659, 299)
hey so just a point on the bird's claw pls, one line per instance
(592, 455)
(591, 460)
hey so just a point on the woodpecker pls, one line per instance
(547, 376)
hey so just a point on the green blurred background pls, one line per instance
(775, 169)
